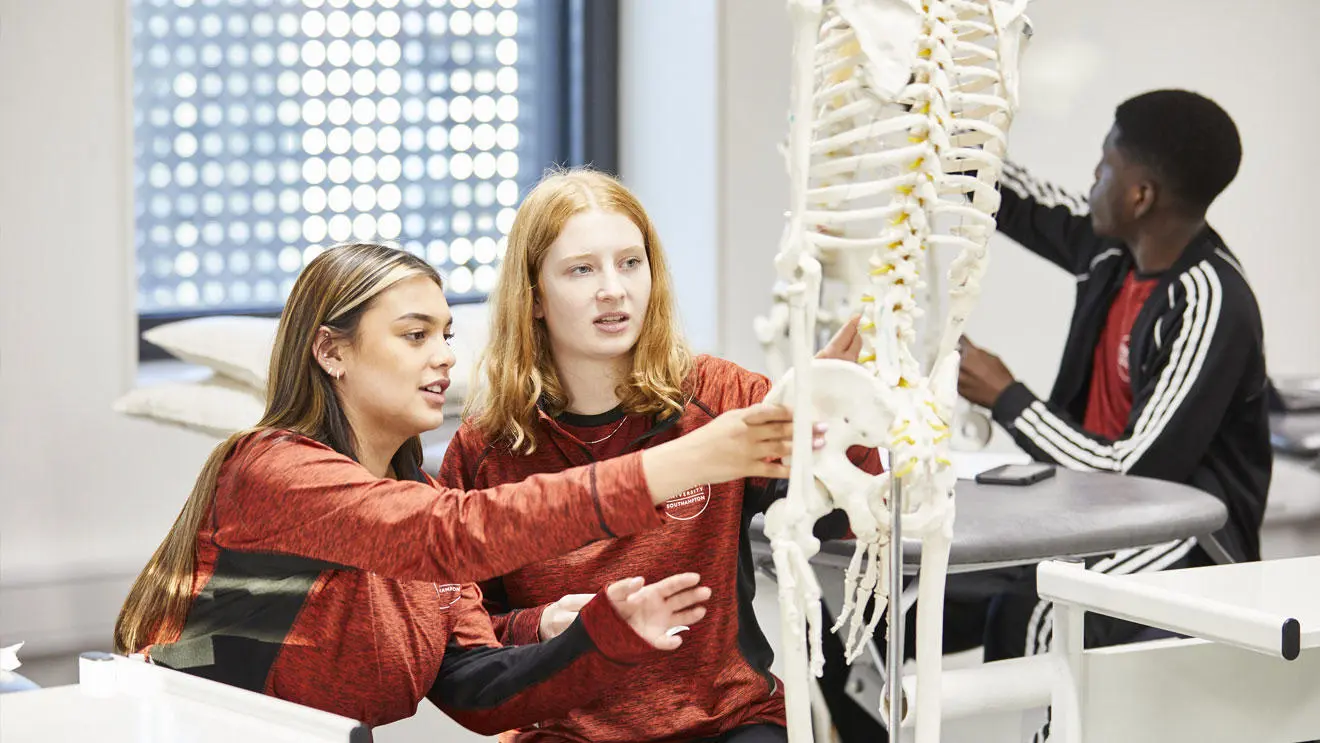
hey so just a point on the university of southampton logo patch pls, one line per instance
(448, 594)
(689, 504)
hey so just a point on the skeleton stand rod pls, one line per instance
(894, 650)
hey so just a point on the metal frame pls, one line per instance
(1250, 670)
(894, 647)
(1249, 625)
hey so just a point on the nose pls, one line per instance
(611, 287)
(443, 357)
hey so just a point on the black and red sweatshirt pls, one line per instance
(322, 584)
(719, 679)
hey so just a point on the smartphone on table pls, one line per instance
(1016, 474)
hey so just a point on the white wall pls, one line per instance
(668, 120)
(85, 495)
(1084, 60)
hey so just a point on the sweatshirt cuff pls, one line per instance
(1010, 404)
(611, 634)
(525, 626)
(622, 496)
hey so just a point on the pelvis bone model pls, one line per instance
(900, 111)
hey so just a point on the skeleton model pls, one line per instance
(900, 110)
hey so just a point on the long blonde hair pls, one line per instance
(333, 292)
(517, 365)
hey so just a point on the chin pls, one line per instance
(613, 350)
(428, 421)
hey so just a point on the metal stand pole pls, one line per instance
(894, 648)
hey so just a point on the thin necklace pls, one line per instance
(611, 433)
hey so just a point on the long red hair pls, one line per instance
(518, 369)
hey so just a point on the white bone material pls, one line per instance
(900, 110)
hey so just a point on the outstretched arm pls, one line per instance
(1047, 220)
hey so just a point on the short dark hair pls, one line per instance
(1190, 144)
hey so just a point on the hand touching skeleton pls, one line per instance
(900, 110)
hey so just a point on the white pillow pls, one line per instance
(216, 406)
(235, 347)
(239, 347)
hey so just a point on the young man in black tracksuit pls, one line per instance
(1163, 374)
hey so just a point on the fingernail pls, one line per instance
(821, 427)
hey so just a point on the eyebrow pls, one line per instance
(581, 256)
(422, 317)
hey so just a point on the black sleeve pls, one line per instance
(490, 689)
(1047, 220)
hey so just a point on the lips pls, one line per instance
(612, 322)
(435, 391)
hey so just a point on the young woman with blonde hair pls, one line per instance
(314, 561)
(586, 362)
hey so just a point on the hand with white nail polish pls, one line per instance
(656, 611)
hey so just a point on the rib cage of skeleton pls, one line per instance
(900, 111)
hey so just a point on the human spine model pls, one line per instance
(900, 111)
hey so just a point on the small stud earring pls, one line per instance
(339, 374)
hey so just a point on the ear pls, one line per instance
(538, 312)
(329, 351)
(1145, 195)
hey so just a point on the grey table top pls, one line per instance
(1070, 514)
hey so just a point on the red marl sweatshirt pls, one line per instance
(719, 679)
(319, 583)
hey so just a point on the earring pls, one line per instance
(339, 374)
